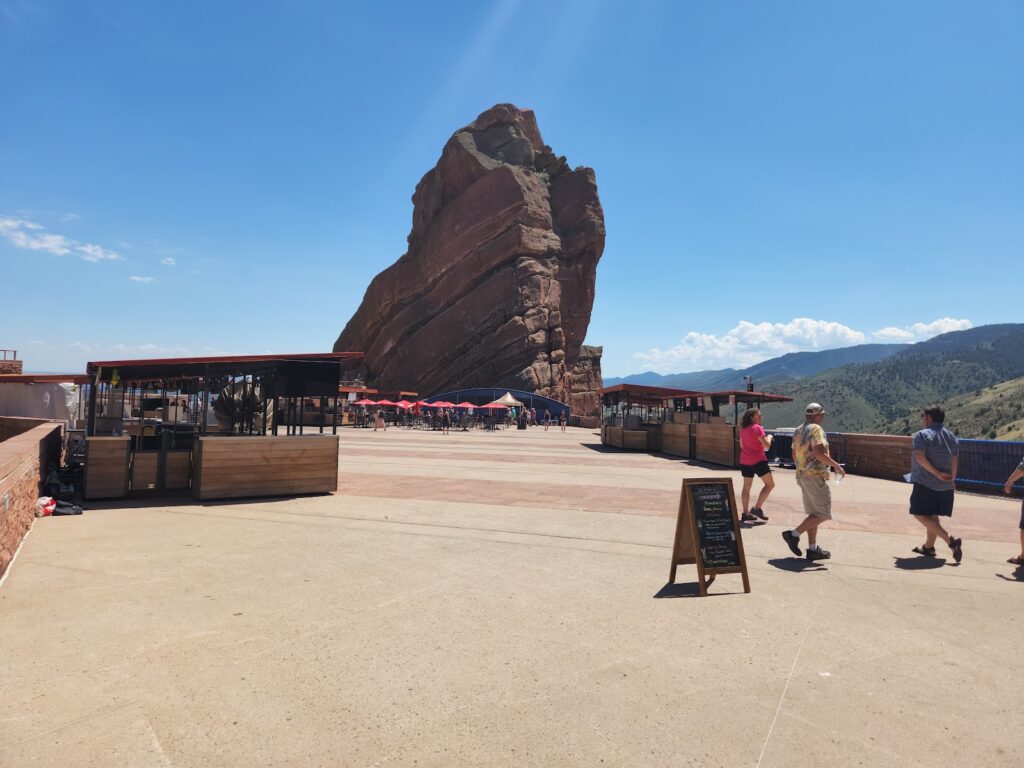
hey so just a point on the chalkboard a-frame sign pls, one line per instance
(708, 532)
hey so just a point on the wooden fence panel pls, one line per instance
(228, 467)
(716, 444)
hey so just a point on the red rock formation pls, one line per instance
(497, 286)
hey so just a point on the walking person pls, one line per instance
(1016, 475)
(812, 459)
(933, 463)
(378, 421)
(754, 462)
(446, 421)
(562, 420)
(547, 419)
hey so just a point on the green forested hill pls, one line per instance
(995, 413)
(883, 396)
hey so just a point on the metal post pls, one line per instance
(90, 415)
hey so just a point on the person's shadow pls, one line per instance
(922, 563)
(797, 564)
(1017, 575)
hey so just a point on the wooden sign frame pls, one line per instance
(686, 546)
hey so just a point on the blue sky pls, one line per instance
(203, 178)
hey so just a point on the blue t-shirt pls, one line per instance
(939, 446)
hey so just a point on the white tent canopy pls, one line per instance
(508, 400)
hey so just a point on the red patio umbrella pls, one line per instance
(385, 402)
(467, 405)
(424, 404)
(443, 404)
(404, 404)
(365, 401)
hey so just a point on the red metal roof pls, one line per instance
(44, 378)
(93, 366)
(644, 390)
(744, 396)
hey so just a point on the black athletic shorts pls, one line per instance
(926, 502)
(1022, 516)
(760, 469)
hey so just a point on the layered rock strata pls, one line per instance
(497, 285)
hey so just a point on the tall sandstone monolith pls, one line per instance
(497, 286)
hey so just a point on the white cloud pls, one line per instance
(749, 343)
(31, 236)
(96, 253)
(922, 331)
(142, 279)
(169, 261)
(70, 217)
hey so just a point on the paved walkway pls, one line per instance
(492, 599)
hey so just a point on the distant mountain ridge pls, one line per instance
(788, 367)
(884, 396)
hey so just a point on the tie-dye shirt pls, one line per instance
(807, 436)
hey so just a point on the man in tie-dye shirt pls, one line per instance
(812, 459)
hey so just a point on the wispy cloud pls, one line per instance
(70, 217)
(750, 343)
(96, 253)
(922, 331)
(168, 261)
(30, 236)
(142, 279)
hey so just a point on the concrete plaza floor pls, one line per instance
(500, 599)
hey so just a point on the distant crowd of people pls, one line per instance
(933, 470)
(444, 419)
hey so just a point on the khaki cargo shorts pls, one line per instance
(817, 496)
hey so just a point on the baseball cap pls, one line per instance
(813, 409)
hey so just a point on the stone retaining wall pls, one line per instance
(23, 460)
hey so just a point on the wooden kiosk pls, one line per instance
(215, 427)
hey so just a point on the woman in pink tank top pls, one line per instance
(754, 461)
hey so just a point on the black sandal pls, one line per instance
(923, 550)
(956, 545)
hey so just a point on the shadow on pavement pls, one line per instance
(797, 564)
(922, 563)
(1017, 575)
(679, 590)
(602, 448)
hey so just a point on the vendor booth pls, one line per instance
(219, 427)
(680, 422)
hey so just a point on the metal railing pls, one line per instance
(983, 463)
